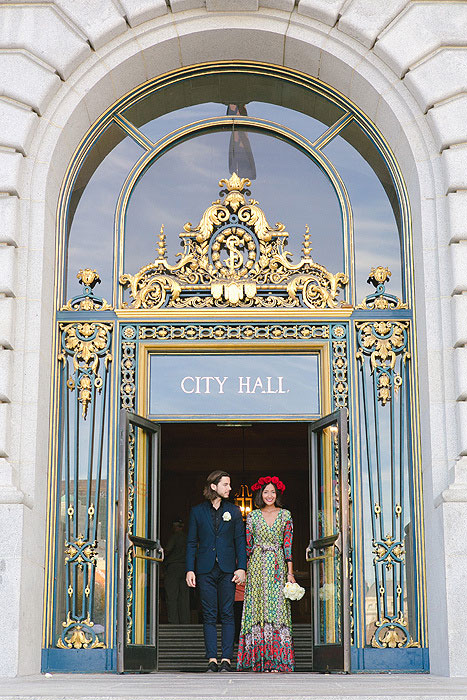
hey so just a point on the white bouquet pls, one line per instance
(293, 591)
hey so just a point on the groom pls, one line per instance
(216, 539)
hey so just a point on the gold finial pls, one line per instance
(161, 247)
(88, 277)
(379, 275)
(234, 183)
(307, 248)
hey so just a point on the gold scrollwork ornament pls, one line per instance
(381, 300)
(87, 301)
(86, 343)
(388, 551)
(392, 634)
(81, 551)
(77, 636)
(233, 257)
(383, 341)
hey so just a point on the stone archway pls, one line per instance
(122, 59)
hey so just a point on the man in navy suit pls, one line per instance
(216, 540)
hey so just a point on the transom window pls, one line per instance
(313, 163)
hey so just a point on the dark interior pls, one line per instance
(190, 451)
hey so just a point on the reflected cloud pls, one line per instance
(289, 187)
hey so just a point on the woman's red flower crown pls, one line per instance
(264, 480)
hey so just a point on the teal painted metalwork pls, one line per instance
(384, 353)
(384, 344)
(85, 356)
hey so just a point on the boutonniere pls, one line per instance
(226, 516)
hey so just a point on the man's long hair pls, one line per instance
(213, 478)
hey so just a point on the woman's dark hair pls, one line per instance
(213, 478)
(259, 501)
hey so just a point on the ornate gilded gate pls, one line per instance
(235, 290)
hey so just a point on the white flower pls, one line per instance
(293, 591)
(226, 516)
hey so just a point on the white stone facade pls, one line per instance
(403, 62)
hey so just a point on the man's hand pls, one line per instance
(238, 577)
(190, 579)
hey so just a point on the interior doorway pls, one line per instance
(189, 452)
(162, 472)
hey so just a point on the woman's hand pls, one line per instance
(239, 576)
(191, 579)
(291, 578)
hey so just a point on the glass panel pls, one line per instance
(327, 570)
(212, 95)
(388, 529)
(90, 223)
(180, 185)
(82, 530)
(141, 523)
(374, 204)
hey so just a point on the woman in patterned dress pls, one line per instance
(265, 642)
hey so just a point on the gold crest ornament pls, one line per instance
(234, 258)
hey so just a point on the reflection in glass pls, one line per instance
(209, 95)
(82, 509)
(180, 185)
(92, 207)
(374, 204)
(388, 528)
(327, 570)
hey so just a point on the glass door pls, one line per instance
(139, 546)
(327, 552)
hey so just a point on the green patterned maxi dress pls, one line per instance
(265, 642)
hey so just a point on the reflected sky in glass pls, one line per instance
(92, 230)
(376, 237)
(179, 186)
(302, 123)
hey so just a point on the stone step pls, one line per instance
(236, 686)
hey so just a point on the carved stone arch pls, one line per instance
(101, 78)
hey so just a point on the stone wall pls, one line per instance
(62, 63)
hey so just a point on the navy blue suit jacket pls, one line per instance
(204, 546)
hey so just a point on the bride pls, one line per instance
(265, 642)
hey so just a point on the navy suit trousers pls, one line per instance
(217, 593)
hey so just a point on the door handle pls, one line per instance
(143, 556)
(312, 546)
(320, 558)
(146, 545)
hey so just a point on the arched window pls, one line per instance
(319, 265)
(291, 146)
